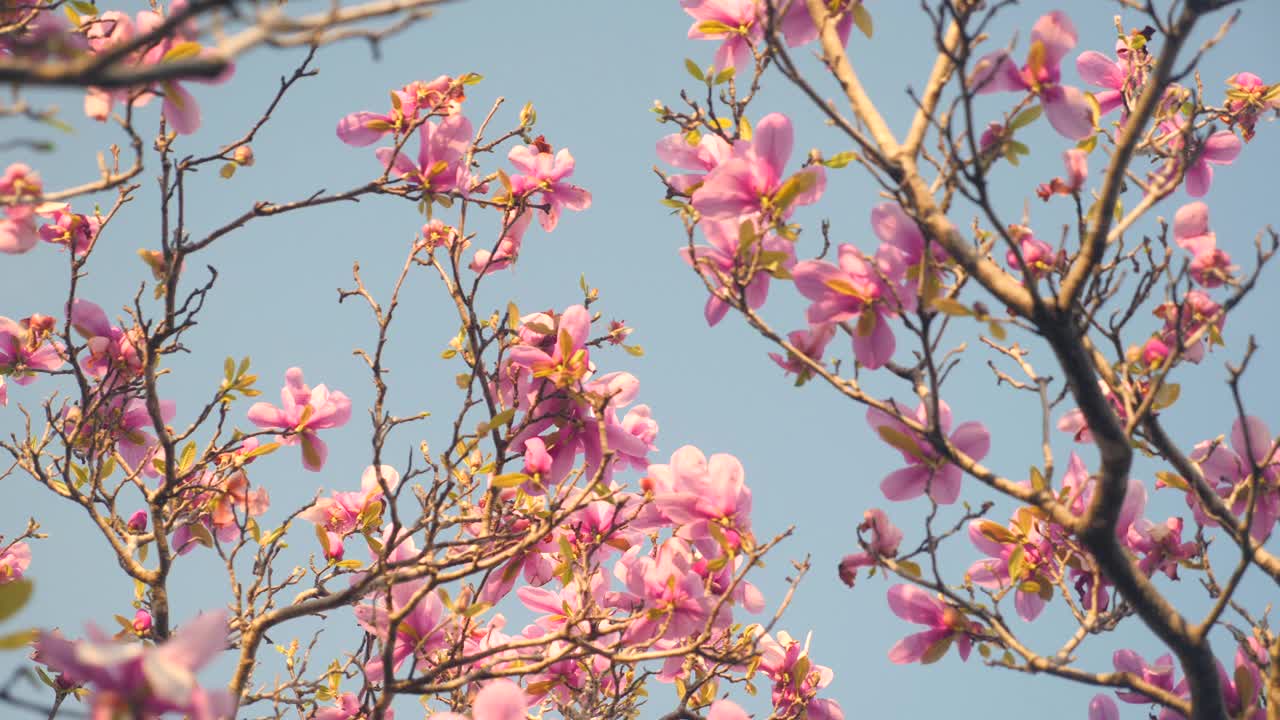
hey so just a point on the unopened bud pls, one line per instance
(141, 622)
(138, 521)
(243, 156)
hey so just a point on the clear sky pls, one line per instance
(593, 68)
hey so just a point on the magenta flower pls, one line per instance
(363, 127)
(348, 708)
(1038, 255)
(1228, 471)
(349, 512)
(28, 347)
(136, 680)
(499, 699)
(543, 173)
(18, 232)
(1210, 266)
(945, 625)
(1220, 148)
(721, 259)
(14, 560)
(71, 230)
(1160, 546)
(442, 149)
(797, 23)
(1159, 673)
(926, 470)
(421, 633)
(901, 242)
(1248, 98)
(796, 679)
(750, 184)
(738, 23)
(1068, 109)
(885, 538)
(859, 288)
(1198, 312)
(1113, 76)
(508, 249)
(1020, 556)
(1102, 707)
(111, 349)
(811, 342)
(303, 411)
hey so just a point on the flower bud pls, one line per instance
(138, 521)
(243, 156)
(141, 622)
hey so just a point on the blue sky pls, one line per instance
(592, 70)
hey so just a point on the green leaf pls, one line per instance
(862, 19)
(901, 441)
(907, 567)
(17, 640)
(949, 306)
(1088, 144)
(841, 159)
(227, 171)
(502, 418)
(1172, 480)
(182, 51)
(509, 480)
(725, 75)
(84, 8)
(1025, 118)
(1166, 396)
(1037, 480)
(794, 186)
(634, 350)
(694, 70)
(13, 597)
(714, 27)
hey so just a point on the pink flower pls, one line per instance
(568, 359)
(699, 493)
(111, 349)
(1160, 546)
(348, 708)
(442, 149)
(885, 538)
(798, 27)
(1229, 471)
(349, 512)
(1115, 77)
(303, 411)
(1220, 148)
(702, 158)
(1021, 557)
(721, 259)
(71, 230)
(543, 173)
(138, 521)
(796, 679)
(14, 561)
(1159, 674)
(901, 242)
(1198, 312)
(1247, 98)
(859, 288)
(1038, 255)
(499, 699)
(945, 625)
(141, 622)
(28, 347)
(1068, 109)
(145, 681)
(668, 595)
(812, 343)
(1210, 266)
(750, 184)
(738, 23)
(726, 710)
(926, 469)
(419, 634)
(508, 248)
(1102, 707)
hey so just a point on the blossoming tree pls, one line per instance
(546, 499)
(949, 281)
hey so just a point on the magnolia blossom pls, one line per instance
(701, 157)
(14, 560)
(751, 185)
(796, 679)
(303, 411)
(27, 347)
(422, 631)
(499, 699)
(1067, 108)
(1210, 266)
(945, 625)
(1020, 556)
(738, 23)
(722, 258)
(812, 343)
(695, 493)
(348, 708)
(142, 681)
(543, 174)
(885, 538)
(348, 512)
(856, 289)
(1220, 148)
(1248, 97)
(1229, 470)
(926, 469)
(440, 165)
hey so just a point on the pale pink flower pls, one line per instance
(28, 347)
(348, 708)
(798, 27)
(885, 538)
(751, 184)
(702, 157)
(796, 679)
(347, 512)
(144, 681)
(14, 561)
(1220, 148)
(1210, 266)
(499, 699)
(442, 149)
(812, 343)
(859, 288)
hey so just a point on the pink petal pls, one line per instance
(1057, 34)
(1102, 707)
(772, 143)
(1099, 70)
(1199, 178)
(500, 700)
(1069, 111)
(905, 484)
(1222, 147)
(180, 109)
